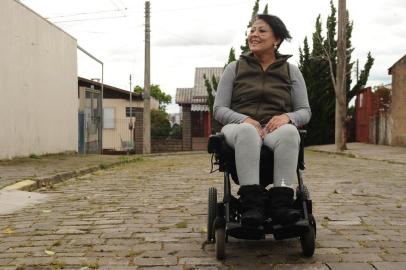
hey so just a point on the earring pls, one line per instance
(275, 46)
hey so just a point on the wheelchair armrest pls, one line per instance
(302, 132)
(301, 163)
(215, 142)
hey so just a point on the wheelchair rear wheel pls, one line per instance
(212, 209)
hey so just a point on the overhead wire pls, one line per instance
(118, 9)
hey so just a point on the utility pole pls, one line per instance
(131, 124)
(147, 103)
(341, 99)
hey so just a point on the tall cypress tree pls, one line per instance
(265, 10)
(231, 56)
(245, 48)
(318, 67)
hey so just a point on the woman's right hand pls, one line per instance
(257, 125)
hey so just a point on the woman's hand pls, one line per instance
(276, 122)
(257, 125)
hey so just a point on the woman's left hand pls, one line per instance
(276, 122)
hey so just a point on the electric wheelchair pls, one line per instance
(224, 217)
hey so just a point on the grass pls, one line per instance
(57, 243)
(92, 265)
(133, 253)
(58, 264)
(398, 205)
(182, 224)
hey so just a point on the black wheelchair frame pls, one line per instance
(224, 216)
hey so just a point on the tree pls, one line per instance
(245, 48)
(176, 131)
(318, 67)
(157, 93)
(340, 81)
(160, 126)
(231, 56)
(265, 10)
(211, 87)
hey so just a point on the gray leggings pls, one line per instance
(284, 142)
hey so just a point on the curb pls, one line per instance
(346, 154)
(352, 155)
(49, 180)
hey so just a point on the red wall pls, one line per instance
(207, 124)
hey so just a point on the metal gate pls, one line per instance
(90, 116)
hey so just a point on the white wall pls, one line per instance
(112, 136)
(38, 84)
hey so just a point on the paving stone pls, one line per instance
(394, 257)
(5, 261)
(390, 265)
(368, 257)
(152, 215)
(300, 267)
(198, 261)
(350, 266)
(165, 261)
(337, 244)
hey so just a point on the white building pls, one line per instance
(38, 84)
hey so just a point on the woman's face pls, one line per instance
(261, 38)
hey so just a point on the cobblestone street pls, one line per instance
(151, 214)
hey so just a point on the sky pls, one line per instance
(186, 34)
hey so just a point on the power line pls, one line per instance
(91, 19)
(82, 13)
(118, 9)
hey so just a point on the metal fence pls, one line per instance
(118, 135)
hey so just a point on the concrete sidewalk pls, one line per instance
(393, 154)
(33, 172)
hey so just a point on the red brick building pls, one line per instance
(195, 121)
(380, 115)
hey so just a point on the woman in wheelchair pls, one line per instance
(261, 100)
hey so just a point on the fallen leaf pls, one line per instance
(49, 252)
(8, 230)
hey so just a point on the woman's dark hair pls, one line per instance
(278, 27)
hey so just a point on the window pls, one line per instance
(108, 118)
(127, 111)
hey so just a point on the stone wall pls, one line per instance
(397, 110)
(166, 145)
(199, 143)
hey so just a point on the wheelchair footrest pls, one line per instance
(250, 233)
(290, 230)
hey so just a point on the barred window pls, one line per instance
(127, 111)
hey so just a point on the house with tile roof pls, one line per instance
(196, 124)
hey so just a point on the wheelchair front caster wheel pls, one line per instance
(308, 239)
(220, 243)
(212, 209)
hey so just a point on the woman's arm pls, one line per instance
(222, 101)
(301, 110)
